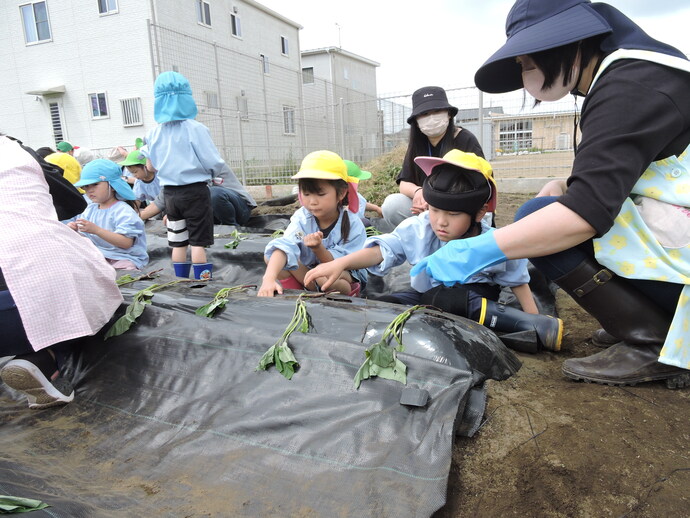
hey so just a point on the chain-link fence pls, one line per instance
(264, 117)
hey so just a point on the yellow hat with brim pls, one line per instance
(327, 165)
(464, 160)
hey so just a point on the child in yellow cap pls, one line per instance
(459, 189)
(319, 231)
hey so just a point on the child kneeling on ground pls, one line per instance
(459, 189)
(110, 222)
(320, 231)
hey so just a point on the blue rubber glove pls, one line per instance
(460, 259)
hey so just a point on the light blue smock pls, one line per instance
(414, 239)
(302, 223)
(122, 219)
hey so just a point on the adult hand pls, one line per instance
(553, 188)
(313, 240)
(419, 205)
(269, 287)
(330, 270)
(73, 225)
(460, 259)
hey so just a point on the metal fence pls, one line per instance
(264, 123)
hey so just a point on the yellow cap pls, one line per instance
(323, 165)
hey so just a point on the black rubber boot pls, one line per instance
(623, 364)
(600, 338)
(630, 316)
(522, 331)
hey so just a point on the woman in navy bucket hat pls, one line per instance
(615, 236)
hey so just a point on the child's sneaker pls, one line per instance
(28, 373)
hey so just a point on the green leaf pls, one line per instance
(372, 231)
(382, 355)
(267, 359)
(362, 374)
(381, 358)
(125, 279)
(15, 504)
(280, 352)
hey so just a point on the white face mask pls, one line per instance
(433, 124)
(533, 81)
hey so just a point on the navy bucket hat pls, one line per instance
(533, 26)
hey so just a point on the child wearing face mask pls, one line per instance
(432, 133)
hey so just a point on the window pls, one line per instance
(212, 100)
(308, 76)
(515, 136)
(56, 122)
(284, 46)
(264, 63)
(99, 106)
(35, 20)
(289, 120)
(242, 107)
(235, 25)
(131, 111)
(203, 12)
(107, 6)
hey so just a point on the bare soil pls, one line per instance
(553, 447)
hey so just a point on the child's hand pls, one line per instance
(268, 288)
(73, 225)
(84, 225)
(378, 210)
(313, 240)
(330, 270)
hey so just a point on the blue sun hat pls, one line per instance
(102, 170)
(173, 99)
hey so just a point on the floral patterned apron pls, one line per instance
(650, 237)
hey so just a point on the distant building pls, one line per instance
(83, 70)
(332, 77)
(536, 132)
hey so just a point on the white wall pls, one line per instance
(88, 53)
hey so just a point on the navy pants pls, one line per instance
(229, 208)
(14, 341)
(664, 294)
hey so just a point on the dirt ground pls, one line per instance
(553, 447)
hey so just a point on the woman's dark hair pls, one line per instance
(311, 185)
(557, 60)
(44, 151)
(419, 146)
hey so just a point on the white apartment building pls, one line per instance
(83, 71)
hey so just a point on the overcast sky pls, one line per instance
(442, 42)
